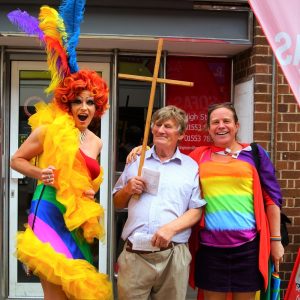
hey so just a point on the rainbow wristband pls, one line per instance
(275, 238)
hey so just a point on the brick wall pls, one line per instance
(257, 63)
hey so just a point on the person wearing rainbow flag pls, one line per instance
(240, 227)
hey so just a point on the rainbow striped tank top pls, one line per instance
(229, 213)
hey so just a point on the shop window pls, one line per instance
(212, 84)
(133, 98)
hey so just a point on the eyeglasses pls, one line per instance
(79, 102)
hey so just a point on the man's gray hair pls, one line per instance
(171, 112)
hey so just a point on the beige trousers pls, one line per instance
(156, 276)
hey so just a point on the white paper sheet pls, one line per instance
(151, 178)
(142, 241)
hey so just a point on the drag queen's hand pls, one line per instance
(48, 175)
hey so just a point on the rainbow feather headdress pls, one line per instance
(59, 32)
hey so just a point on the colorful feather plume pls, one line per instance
(26, 23)
(72, 13)
(54, 36)
(60, 34)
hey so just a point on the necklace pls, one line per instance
(82, 136)
(229, 152)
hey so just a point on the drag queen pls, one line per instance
(61, 153)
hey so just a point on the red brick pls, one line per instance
(291, 155)
(288, 98)
(294, 108)
(292, 136)
(261, 88)
(295, 231)
(295, 212)
(291, 117)
(291, 184)
(293, 248)
(294, 174)
(297, 238)
(261, 50)
(288, 257)
(262, 107)
(261, 40)
(289, 202)
(263, 78)
(282, 108)
(283, 89)
(261, 69)
(296, 220)
(290, 193)
(291, 165)
(262, 135)
(262, 98)
(280, 146)
(292, 146)
(282, 126)
(262, 117)
(259, 126)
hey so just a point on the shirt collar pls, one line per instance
(176, 156)
(227, 151)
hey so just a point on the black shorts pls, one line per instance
(229, 269)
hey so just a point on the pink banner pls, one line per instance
(280, 22)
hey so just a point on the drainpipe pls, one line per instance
(273, 111)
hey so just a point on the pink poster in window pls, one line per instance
(211, 77)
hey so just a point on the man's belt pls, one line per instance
(129, 248)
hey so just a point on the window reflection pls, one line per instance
(133, 98)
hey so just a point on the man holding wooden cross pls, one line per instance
(155, 260)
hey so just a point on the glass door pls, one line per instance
(28, 81)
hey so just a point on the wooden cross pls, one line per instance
(153, 80)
